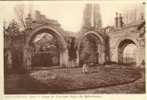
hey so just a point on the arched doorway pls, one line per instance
(45, 47)
(46, 50)
(91, 49)
(127, 52)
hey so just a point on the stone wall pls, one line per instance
(118, 35)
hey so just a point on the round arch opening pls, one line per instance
(127, 52)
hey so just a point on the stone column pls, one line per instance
(120, 55)
(27, 58)
(9, 58)
(64, 58)
(137, 57)
(101, 54)
(140, 53)
(78, 58)
(140, 56)
(98, 53)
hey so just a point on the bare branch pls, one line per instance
(20, 14)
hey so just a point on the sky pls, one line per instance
(68, 14)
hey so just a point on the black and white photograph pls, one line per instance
(73, 48)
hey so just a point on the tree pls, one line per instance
(20, 14)
(13, 28)
(85, 51)
(71, 48)
(88, 50)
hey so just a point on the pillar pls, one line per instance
(64, 58)
(140, 57)
(101, 54)
(120, 55)
(9, 59)
(140, 53)
(27, 58)
(78, 58)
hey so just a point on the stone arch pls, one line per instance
(101, 46)
(122, 44)
(90, 33)
(127, 38)
(54, 32)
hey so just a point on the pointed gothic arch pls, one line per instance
(28, 51)
(100, 43)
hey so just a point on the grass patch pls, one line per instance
(61, 80)
(74, 79)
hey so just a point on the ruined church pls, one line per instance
(44, 43)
